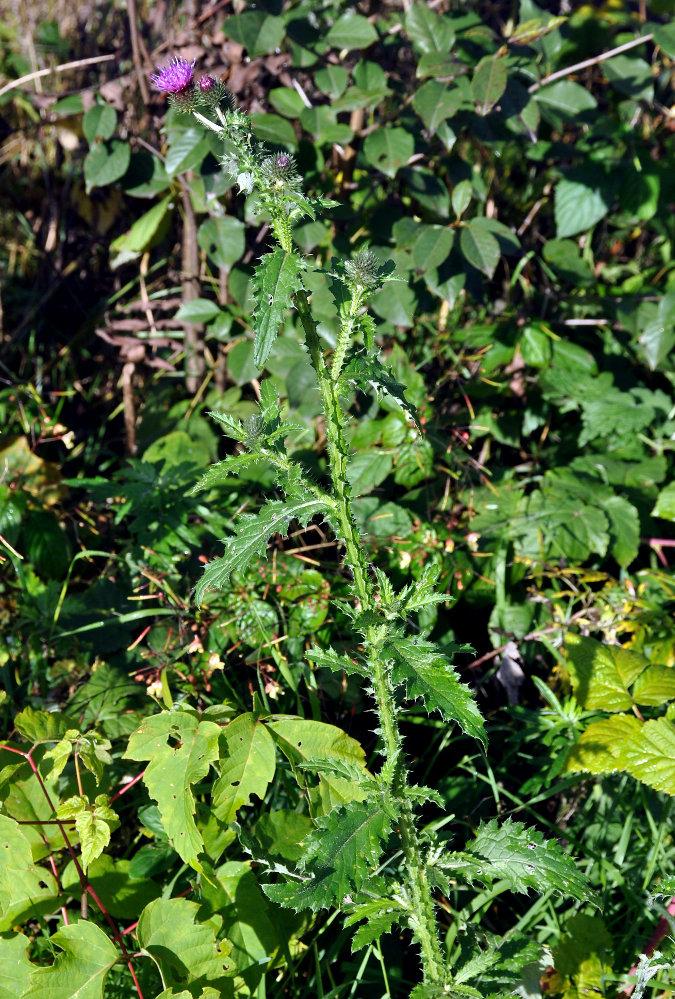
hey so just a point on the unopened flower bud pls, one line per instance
(363, 270)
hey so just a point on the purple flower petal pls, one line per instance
(175, 77)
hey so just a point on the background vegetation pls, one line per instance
(520, 177)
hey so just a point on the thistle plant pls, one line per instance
(367, 853)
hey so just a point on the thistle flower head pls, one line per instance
(175, 77)
(206, 83)
(363, 270)
(280, 171)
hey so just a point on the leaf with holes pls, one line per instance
(527, 860)
(428, 674)
(79, 972)
(247, 769)
(276, 279)
(180, 749)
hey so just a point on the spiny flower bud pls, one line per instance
(213, 93)
(280, 170)
(363, 270)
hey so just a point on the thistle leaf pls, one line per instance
(428, 674)
(276, 279)
(331, 659)
(380, 915)
(367, 371)
(510, 850)
(253, 534)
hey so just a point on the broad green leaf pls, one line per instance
(427, 30)
(143, 230)
(26, 890)
(435, 101)
(601, 674)
(631, 76)
(282, 833)
(99, 123)
(388, 149)
(15, 968)
(461, 197)
(599, 749)
(330, 659)
(223, 240)
(368, 469)
(331, 80)
(527, 860)
(351, 31)
(665, 503)
(566, 96)
(579, 203)
(199, 310)
(380, 916)
(287, 102)
(105, 163)
(664, 35)
(480, 247)
(121, 885)
(276, 279)
(533, 29)
(428, 674)
(651, 758)
(489, 82)
(624, 529)
(656, 342)
(252, 537)
(79, 972)
(656, 686)
(562, 528)
(258, 32)
(247, 769)
(183, 950)
(43, 726)
(432, 247)
(180, 750)
(187, 148)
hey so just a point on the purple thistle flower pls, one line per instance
(175, 77)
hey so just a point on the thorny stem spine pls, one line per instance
(422, 904)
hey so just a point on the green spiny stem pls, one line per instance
(345, 337)
(422, 904)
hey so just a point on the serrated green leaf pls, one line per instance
(665, 503)
(599, 749)
(15, 968)
(276, 279)
(330, 659)
(26, 890)
(656, 686)
(173, 769)
(79, 972)
(183, 950)
(247, 769)
(527, 860)
(366, 371)
(601, 674)
(624, 528)
(94, 834)
(651, 757)
(380, 915)
(252, 537)
(313, 893)
(43, 726)
(420, 593)
(428, 674)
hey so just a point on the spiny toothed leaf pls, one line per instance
(235, 464)
(428, 674)
(247, 769)
(276, 279)
(421, 593)
(344, 769)
(380, 915)
(333, 660)
(366, 370)
(340, 855)
(420, 793)
(180, 749)
(235, 428)
(527, 860)
(253, 534)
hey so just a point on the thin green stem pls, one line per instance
(422, 912)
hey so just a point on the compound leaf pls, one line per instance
(253, 534)
(428, 674)
(80, 971)
(248, 768)
(527, 860)
(276, 279)
(180, 749)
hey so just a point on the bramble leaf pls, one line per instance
(79, 972)
(253, 534)
(276, 279)
(183, 950)
(621, 742)
(26, 890)
(601, 674)
(180, 749)
(247, 769)
(15, 968)
(527, 860)
(428, 674)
